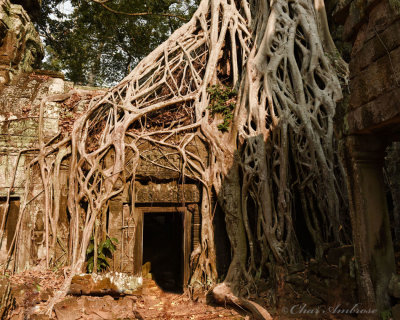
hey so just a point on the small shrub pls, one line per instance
(105, 250)
(223, 102)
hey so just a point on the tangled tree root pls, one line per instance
(251, 82)
(224, 295)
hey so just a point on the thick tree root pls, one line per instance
(224, 295)
(270, 161)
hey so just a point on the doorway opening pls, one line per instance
(11, 218)
(163, 247)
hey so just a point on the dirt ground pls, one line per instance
(32, 289)
(151, 304)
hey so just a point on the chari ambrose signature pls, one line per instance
(337, 309)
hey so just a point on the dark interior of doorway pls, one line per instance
(163, 248)
(11, 218)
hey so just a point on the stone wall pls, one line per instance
(374, 106)
(22, 91)
(20, 45)
(19, 116)
(20, 103)
(369, 120)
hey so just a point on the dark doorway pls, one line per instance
(11, 218)
(163, 248)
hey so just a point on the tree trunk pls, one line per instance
(251, 80)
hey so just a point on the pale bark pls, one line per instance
(278, 147)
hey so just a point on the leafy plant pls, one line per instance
(105, 251)
(95, 46)
(386, 315)
(222, 101)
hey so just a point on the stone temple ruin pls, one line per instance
(164, 206)
(160, 202)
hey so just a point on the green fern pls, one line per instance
(105, 250)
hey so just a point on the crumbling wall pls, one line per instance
(20, 45)
(19, 104)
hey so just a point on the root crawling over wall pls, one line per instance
(271, 150)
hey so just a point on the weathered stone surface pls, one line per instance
(21, 93)
(382, 114)
(25, 295)
(146, 268)
(65, 311)
(380, 77)
(115, 225)
(392, 167)
(358, 13)
(166, 192)
(376, 47)
(380, 18)
(372, 119)
(19, 105)
(21, 48)
(166, 163)
(370, 218)
(318, 283)
(104, 284)
(374, 68)
(94, 308)
(85, 285)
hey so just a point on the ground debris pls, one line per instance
(32, 289)
(150, 302)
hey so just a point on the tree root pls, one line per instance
(224, 295)
(275, 162)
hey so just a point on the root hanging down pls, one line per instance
(270, 142)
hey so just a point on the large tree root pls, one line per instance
(224, 295)
(270, 143)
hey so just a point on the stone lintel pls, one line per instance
(171, 192)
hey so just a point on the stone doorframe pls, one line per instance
(373, 246)
(138, 246)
